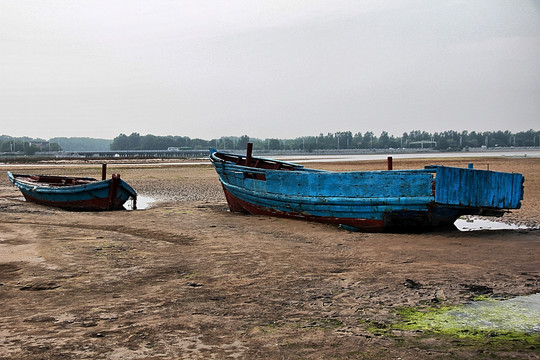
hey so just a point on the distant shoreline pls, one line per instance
(293, 156)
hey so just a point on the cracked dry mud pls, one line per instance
(187, 279)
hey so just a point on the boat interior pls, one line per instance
(55, 180)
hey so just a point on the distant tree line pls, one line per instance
(29, 146)
(25, 145)
(447, 140)
(81, 143)
(152, 142)
(444, 141)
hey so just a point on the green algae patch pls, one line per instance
(508, 323)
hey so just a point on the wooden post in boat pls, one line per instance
(390, 165)
(103, 171)
(113, 189)
(248, 153)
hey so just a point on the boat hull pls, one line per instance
(410, 200)
(363, 218)
(104, 195)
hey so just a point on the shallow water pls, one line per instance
(476, 224)
(143, 202)
(304, 158)
(309, 157)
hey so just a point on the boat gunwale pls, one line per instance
(300, 168)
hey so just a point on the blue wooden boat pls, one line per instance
(393, 200)
(75, 193)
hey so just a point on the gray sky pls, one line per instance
(277, 68)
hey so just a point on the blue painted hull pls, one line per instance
(89, 195)
(409, 200)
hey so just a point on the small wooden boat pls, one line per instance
(393, 200)
(75, 193)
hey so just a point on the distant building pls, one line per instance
(422, 144)
(41, 145)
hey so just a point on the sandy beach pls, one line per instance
(187, 279)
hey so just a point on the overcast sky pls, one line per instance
(268, 69)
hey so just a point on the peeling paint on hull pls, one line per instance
(238, 205)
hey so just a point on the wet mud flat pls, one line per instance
(185, 278)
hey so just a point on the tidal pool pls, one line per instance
(143, 202)
(475, 224)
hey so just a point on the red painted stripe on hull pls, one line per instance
(238, 205)
(91, 205)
